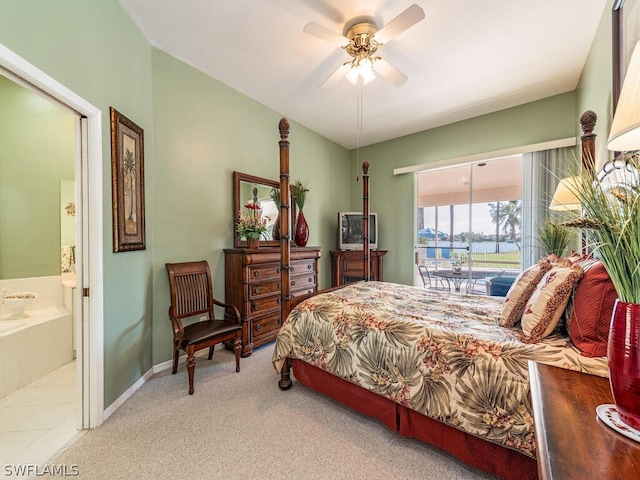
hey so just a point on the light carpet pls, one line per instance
(242, 426)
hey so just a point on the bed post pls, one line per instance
(285, 246)
(588, 140)
(365, 222)
(588, 158)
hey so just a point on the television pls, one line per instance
(350, 236)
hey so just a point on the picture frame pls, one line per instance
(127, 178)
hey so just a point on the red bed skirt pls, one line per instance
(487, 456)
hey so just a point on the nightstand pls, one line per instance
(571, 442)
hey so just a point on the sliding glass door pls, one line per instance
(469, 222)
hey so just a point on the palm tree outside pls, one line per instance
(507, 215)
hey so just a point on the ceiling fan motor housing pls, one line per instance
(362, 43)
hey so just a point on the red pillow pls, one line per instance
(590, 318)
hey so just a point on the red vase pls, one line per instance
(624, 361)
(302, 231)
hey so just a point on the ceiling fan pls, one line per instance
(362, 40)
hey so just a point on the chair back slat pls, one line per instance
(190, 288)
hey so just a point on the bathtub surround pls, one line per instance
(39, 343)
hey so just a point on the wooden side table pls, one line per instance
(572, 443)
(348, 266)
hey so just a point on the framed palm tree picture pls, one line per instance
(127, 180)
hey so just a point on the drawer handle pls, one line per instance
(293, 268)
(279, 298)
(309, 267)
(310, 280)
(293, 282)
(258, 327)
(279, 321)
(278, 270)
(256, 306)
(279, 285)
(256, 273)
(256, 290)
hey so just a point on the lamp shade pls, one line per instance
(625, 129)
(565, 198)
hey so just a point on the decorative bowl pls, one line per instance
(17, 302)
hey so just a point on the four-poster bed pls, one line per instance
(429, 365)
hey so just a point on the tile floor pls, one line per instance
(39, 419)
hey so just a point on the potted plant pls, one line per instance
(299, 191)
(251, 225)
(611, 219)
(553, 237)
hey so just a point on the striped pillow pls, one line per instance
(519, 293)
(547, 303)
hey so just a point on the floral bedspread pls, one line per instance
(441, 354)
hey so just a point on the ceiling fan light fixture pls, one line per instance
(361, 67)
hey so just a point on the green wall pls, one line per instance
(393, 197)
(594, 90)
(37, 150)
(203, 132)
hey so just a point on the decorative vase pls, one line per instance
(253, 242)
(302, 231)
(624, 361)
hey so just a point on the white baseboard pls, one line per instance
(127, 394)
(160, 367)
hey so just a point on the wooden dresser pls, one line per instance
(252, 283)
(348, 266)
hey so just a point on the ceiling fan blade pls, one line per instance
(388, 71)
(336, 76)
(325, 33)
(402, 22)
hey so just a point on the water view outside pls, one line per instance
(444, 235)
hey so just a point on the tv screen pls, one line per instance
(352, 228)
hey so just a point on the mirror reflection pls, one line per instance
(249, 189)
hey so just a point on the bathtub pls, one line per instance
(33, 346)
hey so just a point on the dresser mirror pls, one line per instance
(257, 190)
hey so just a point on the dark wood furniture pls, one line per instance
(191, 293)
(571, 441)
(253, 284)
(348, 266)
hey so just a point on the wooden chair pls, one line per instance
(191, 293)
(429, 283)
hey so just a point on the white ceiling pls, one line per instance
(465, 58)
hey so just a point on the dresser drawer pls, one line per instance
(303, 291)
(259, 305)
(302, 282)
(262, 289)
(264, 327)
(298, 267)
(264, 272)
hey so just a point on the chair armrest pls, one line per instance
(230, 311)
(178, 329)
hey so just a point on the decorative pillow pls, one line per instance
(547, 303)
(519, 293)
(589, 311)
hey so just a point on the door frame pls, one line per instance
(88, 168)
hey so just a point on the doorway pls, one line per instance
(88, 305)
(469, 222)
